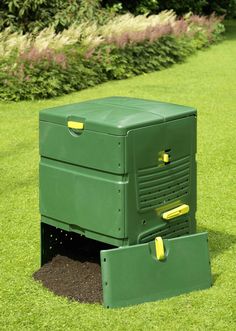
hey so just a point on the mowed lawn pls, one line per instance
(206, 81)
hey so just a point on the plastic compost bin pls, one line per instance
(122, 171)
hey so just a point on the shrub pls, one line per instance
(50, 64)
(181, 7)
(35, 15)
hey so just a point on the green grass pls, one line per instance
(208, 82)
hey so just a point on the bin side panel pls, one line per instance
(132, 275)
(182, 141)
(156, 187)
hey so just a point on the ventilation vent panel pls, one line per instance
(160, 185)
(169, 230)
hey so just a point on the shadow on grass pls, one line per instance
(219, 242)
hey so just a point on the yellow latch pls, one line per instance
(75, 125)
(166, 158)
(181, 210)
(160, 252)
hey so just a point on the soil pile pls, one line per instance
(76, 279)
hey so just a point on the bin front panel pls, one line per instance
(89, 149)
(82, 198)
(132, 275)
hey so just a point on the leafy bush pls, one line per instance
(225, 7)
(221, 7)
(51, 64)
(135, 6)
(35, 15)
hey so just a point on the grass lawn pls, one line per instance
(206, 81)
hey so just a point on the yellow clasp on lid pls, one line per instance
(75, 125)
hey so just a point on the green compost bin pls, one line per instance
(121, 171)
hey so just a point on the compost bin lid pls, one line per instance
(116, 115)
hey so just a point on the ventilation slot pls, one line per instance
(158, 186)
(169, 230)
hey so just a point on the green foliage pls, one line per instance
(141, 58)
(35, 15)
(206, 7)
(136, 6)
(52, 64)
(225, 7)
(181, 7)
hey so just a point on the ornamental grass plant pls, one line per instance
(50, 64)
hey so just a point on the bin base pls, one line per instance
(55, 241)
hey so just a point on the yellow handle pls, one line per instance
(160, 253)
(166, 158)
(75, 125)
(181, 210)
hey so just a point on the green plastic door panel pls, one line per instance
(85, 199)
(133, 275)
(90, 149)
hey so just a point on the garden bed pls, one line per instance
(50, 64)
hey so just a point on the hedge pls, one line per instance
(51, 64)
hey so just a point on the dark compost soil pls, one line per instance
(75, 279)
(73, 270)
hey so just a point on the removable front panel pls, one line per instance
(89, 201)
(132, 275)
